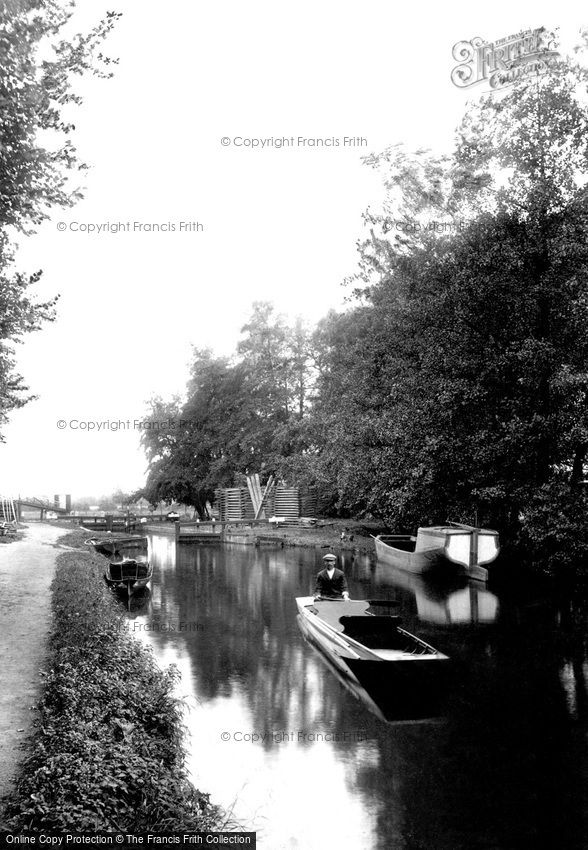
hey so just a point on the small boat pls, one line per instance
(129, 568)
(462, 548)
(371, 650)
(128, 574)
(388, 708)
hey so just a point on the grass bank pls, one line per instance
(326, 534)
(107, 749)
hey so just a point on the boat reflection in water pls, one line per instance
(440, 603)
(140, 603)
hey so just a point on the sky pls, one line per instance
(250, 223)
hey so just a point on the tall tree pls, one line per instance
(241, 414)
(469, 387)
(37, 64)
(454, 386)
(263, 350)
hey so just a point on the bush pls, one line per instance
(555, 529)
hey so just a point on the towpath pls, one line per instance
(26, 571)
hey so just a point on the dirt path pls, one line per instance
(26, 570)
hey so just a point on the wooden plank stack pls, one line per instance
(229, 503)
(256, 502)
(308, 502)
(234, 503)
(287, 504)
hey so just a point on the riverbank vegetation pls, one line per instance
(107, 751)
(454, 385)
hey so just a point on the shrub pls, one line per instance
(555, 529)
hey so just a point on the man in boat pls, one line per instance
(331, 582)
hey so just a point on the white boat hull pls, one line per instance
(459, 549)
(412, 562)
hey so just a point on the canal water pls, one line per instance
(295, 755)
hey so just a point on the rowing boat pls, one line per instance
(372, 651)
(128, 569)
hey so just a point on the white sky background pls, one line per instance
(280, 224)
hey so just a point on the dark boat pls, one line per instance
(128, 568)
(387, 667)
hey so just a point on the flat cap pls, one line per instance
(329, 557)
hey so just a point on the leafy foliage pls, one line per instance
(241, 414)
(37, 64)
(554, 528)
(455, 384)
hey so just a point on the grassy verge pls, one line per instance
(107, 749)
(75, 538)
(326, 535)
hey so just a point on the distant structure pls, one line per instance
(141, 506)
(62, 501)
(29, 507)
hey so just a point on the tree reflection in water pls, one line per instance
(507, 769)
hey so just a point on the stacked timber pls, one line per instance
(229, 504)
(287, 504)
(247, 509)
(233, 504)
(256, 502)
(309, 502)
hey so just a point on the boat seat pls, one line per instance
(332, 611)
(376, 632)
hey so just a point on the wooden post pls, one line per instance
(263, 498)
(177, 524)
(473, 548)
